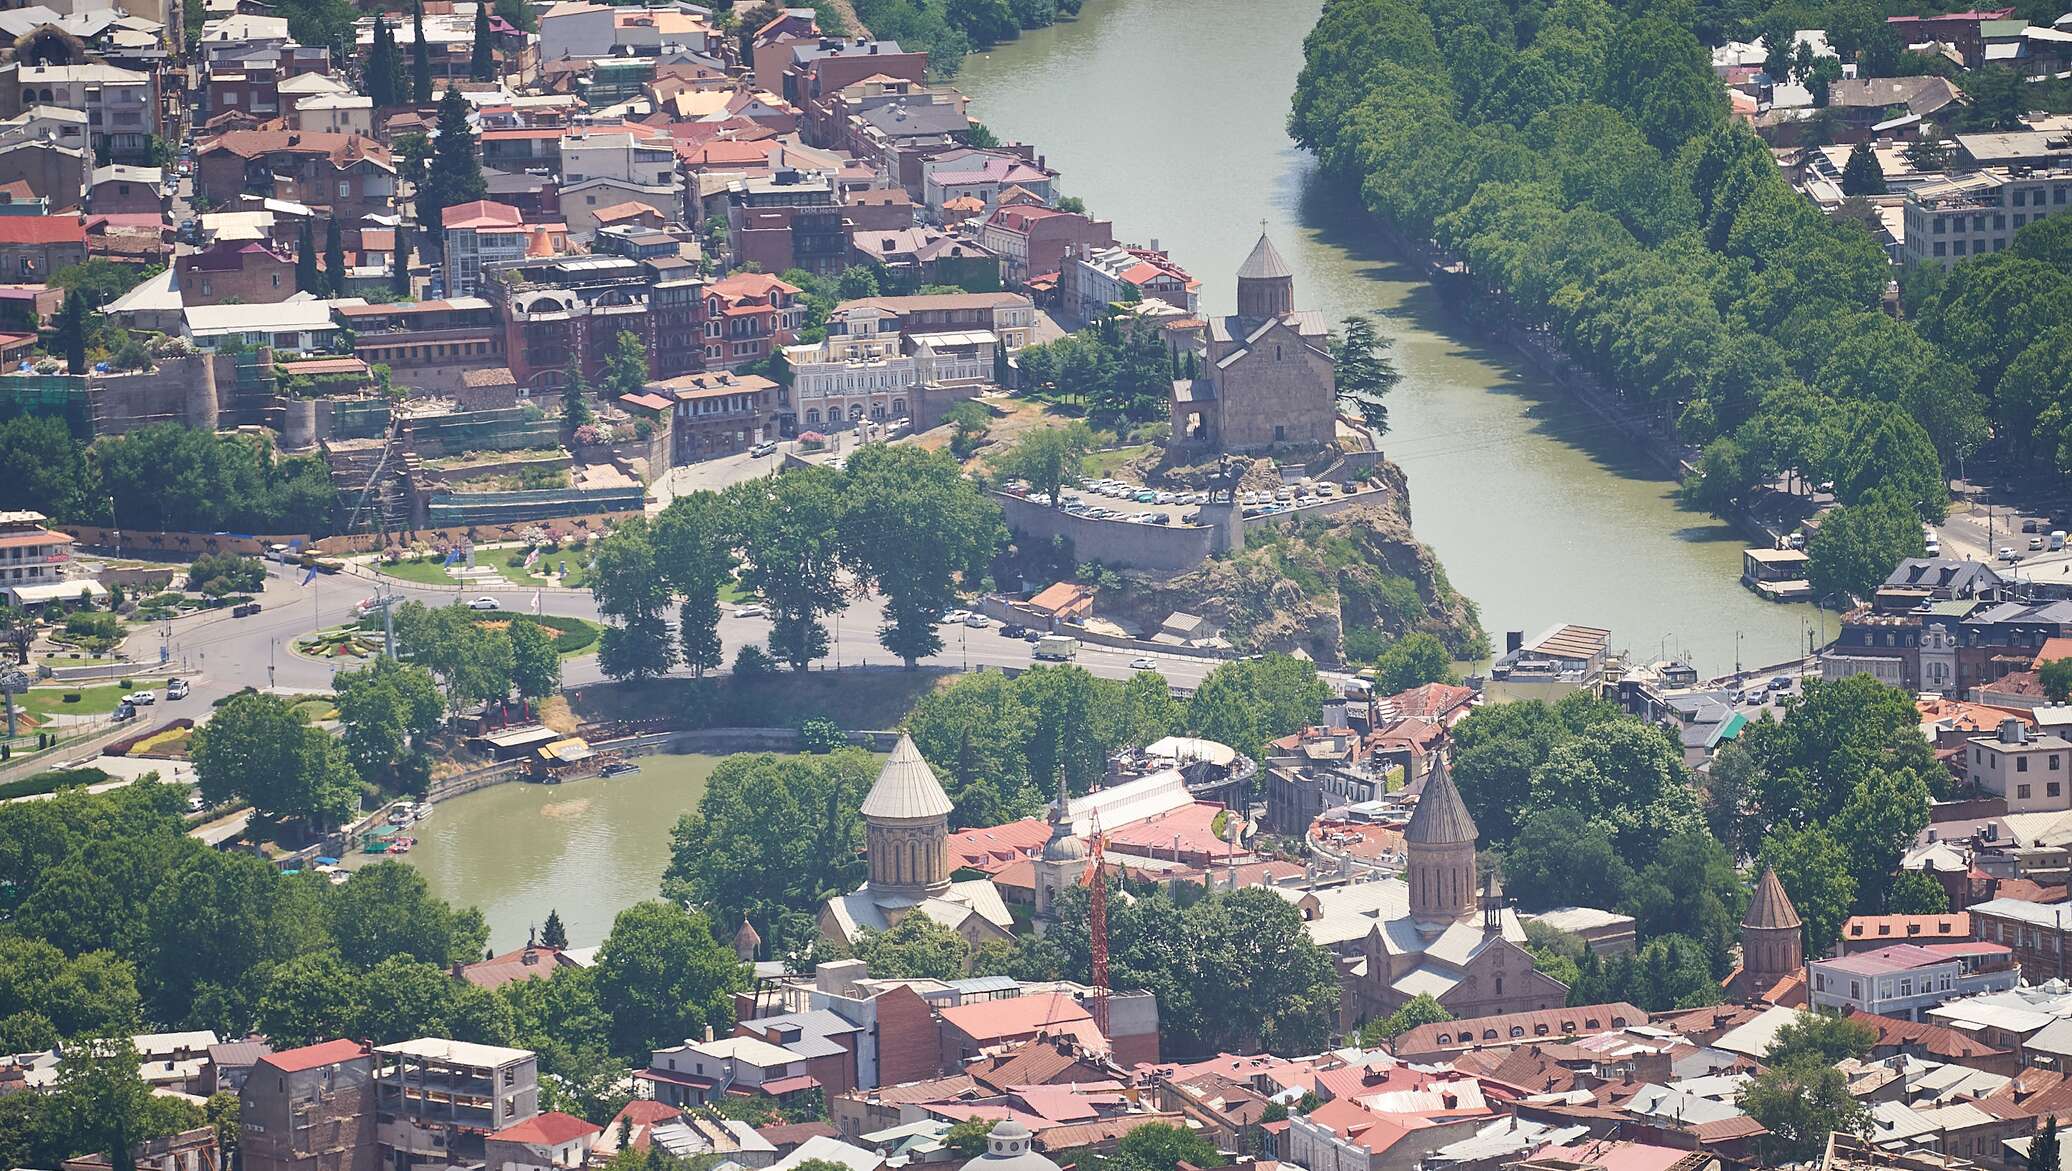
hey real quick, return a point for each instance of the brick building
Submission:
(789, 219)
(309, 1109)
(347, 174)
(427, 344)
(34, 246)
(748, 317)
(562, 311)
(2036, 931)
(718, 413)
(821, 69)
(246, 272)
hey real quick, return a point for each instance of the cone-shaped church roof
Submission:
(1264, 263)
(1770, 907)
(1441, 817)
(906, 787)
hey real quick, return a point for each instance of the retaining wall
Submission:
(1111, 542)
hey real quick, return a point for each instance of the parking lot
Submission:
(1116, 500)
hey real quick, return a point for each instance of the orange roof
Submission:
(314, 1056)
(42, 229)
(630, 209)
(481, 213)
(1061, 596)
(550, 1129)
(2053, 648)
(1019, 1016)
(1895, 928)
(993, 847)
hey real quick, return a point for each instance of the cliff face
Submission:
(1309, 584)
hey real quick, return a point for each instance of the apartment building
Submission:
(697, 1072)
(309, 1109)
(1092, 280)
(1905, 980)
(34, 562)
(788, 219)
(2032, 771)
(1979, 213)
(436, 1100)
(121, 105)
(348, 174)
(478, 233)
(571, 310)
(718, 412)
(1009, 317)
(748, 317)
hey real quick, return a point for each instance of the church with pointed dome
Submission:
(1438, 930)
(906, 818)
(1266, 379)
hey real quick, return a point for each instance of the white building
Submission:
(119, 109)
(334, 113)
(617, 155)
(297, 325)
(696, 1072)
(1979, 213)
(2033, 772)
(1907, 979)
(832, 385)
(34, 562)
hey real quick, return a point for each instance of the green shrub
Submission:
(821, 735)
(70, 697)
(51, 782)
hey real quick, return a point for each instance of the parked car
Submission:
(762, 449)
(2008, 554)
(141, 698)
(955, 615)
(1143, 665)
(1013, 630)
(748, 612)
(485, 602)
(244, 611)
(2035, 544)
(977, 621)
(1780, 682)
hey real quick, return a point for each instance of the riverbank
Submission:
(1540, 510)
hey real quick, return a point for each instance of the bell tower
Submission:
(1440, 844)
(1265, 283)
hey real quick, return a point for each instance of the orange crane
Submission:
(1097, 926)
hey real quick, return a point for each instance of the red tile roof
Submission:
(550, 1129)
(1907, 927)
(1016, 1016)
(42, 229)
(314, 1056)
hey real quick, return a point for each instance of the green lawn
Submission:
(513, 566)
(1102, 464)
(421, 572)
(97, 700)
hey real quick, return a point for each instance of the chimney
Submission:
(530, 958)
(2011, 731)
(708, 1034)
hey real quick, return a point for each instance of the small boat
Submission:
(401, 845)
(618, 768)
(423, 810)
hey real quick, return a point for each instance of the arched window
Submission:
(855, 411)
(1443, 1038)
(813, 416)
(1516, 1030)
(899, 407)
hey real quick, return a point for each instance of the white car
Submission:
(175, 689)
(2007, 553)
(749, 612)
(1143, 665)
(140, 698)
(956, 615)
(977, 621)
(485, 603)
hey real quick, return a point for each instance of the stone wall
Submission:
(1111, 542)
(174, 390)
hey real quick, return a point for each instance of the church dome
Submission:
(1063, 848)
(1010, 1147)
(906, 788)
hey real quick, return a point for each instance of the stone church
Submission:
(906, 816)
(1436, 931)
(1266, 378)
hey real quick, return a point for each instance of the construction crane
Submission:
(1097, 925)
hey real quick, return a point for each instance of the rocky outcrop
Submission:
(1306, 584)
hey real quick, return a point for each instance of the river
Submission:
(1170, 120)
(587, 848)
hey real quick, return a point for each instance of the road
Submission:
(224, 654)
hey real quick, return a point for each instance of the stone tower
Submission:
(1265, 283)
(747, 943)
(1772, 944)
(907, 820)
(1064, 857)
(1440, 843)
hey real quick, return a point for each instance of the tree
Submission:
(968, 1138)
(662, 977)
(917, 947)
(1048, 458)
(1561, 859)
(43, 469)
(575, 402)
(1800, 1104)
(625, 368)
(789, 525)
(308, 278)
(2044, 1154)
(1248, 702)
(631, 591)
(553, 933)
(913, 526)
(420, 58)
(71, 332)
(399, 266)
(1160, 1146)
(1411, 661)
(100, 1102)
(259, 748)
(482, 63)
(2056, 676)
(1858, 546)
(694, 551)
(454, 174)
(334, 259)
(969, 420)
(1815, 871)
(535, 665)
(382, 68)
(1421, 1009)
(986, 22)
(388, 710)
(1877, 826)
(1929, 154)
(1915, 893)
(1364, 373)
(771, 838)
(1862, 175)
(218, 574)
(393, 913)
(1824, 1038)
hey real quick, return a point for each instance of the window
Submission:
(2053, 762)
(2021, 764)
(1941, 226)
(2021, 791)
(1941, 248)
(2021, 197)
(1958, 250)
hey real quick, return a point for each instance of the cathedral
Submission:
(1267, 379)
(1437, 931)
(906, 817)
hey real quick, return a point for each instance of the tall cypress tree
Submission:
(71, 331)
(399, 269)
(482, 67)
(2043, 1156)
(381, 65)
(306, 278)
(420, 59)
(334, 260)
(455, 174)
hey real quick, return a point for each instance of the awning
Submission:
(567, 751)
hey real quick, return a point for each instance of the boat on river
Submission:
(618, 768)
